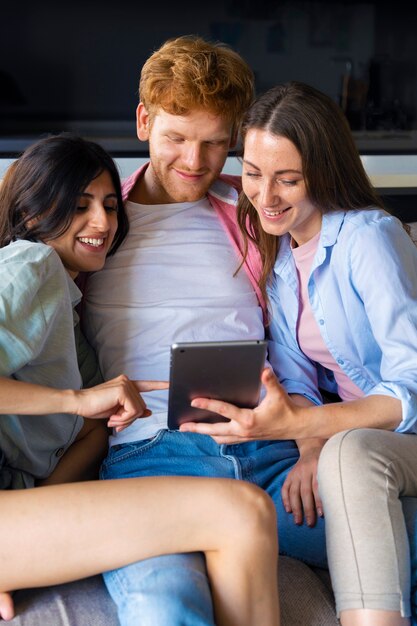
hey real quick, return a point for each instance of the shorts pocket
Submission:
(123, 453)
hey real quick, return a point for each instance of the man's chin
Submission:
(189, 195)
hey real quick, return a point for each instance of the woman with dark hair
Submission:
(340, 275)
(61, 196)
(51, 173)
(61, 213)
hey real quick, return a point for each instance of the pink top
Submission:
(308, 331)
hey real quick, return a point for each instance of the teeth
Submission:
(274, 213)
(92, 241)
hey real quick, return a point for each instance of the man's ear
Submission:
(142, 122)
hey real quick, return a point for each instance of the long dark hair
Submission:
(332, 168)
(39, 193)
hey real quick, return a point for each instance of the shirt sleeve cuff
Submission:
(408, 401)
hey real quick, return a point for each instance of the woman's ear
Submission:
(142, 122)
(32, 222)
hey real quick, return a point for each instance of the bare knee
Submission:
(256, 516)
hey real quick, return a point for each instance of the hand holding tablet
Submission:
(228, 371)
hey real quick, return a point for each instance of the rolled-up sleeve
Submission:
(384, 269)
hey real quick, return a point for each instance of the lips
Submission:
(189, 176)
(274, 214)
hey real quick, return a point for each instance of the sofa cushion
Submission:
(82, 603)
(306, 600)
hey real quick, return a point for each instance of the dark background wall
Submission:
(62, 62)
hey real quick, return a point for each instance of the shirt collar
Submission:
(330, 227)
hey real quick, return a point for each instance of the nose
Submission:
(193, 156)
(269, 195)
(99, 218)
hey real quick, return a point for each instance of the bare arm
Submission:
(118, 400)
(279, 417)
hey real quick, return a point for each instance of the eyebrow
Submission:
(286, 171)
(182, 135)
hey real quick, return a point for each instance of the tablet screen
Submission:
(228, 370)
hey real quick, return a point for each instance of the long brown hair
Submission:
(332, 168)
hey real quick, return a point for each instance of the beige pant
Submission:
(362, 475)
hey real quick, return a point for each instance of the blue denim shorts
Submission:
(264, 463)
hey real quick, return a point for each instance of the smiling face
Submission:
(273, 181)
(84, 245)
(187, 154)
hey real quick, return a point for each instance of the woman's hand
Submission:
(277, 417)
(300, 493)
(118, 400)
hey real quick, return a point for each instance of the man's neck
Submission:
(148, 190)
(145, 190)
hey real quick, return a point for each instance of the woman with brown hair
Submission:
(340, 275)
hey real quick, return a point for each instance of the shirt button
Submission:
(340, 361)
(59, 452)
(321, 322)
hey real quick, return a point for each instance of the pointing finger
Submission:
(150, 385)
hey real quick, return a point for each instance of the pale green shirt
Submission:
(37, 345)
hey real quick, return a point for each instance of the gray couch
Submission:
(306, 600)
(306, 597)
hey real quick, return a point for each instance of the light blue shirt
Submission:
(363, 294)
(37, 345)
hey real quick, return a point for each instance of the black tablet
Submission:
(226, 370)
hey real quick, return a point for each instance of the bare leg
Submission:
(81, 462)
(245, 604)
(371, 617)
(66, 532)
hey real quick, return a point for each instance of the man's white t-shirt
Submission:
(171, 280)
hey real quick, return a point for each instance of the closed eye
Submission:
(289, 183)
(218, 142)
(175, 139)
